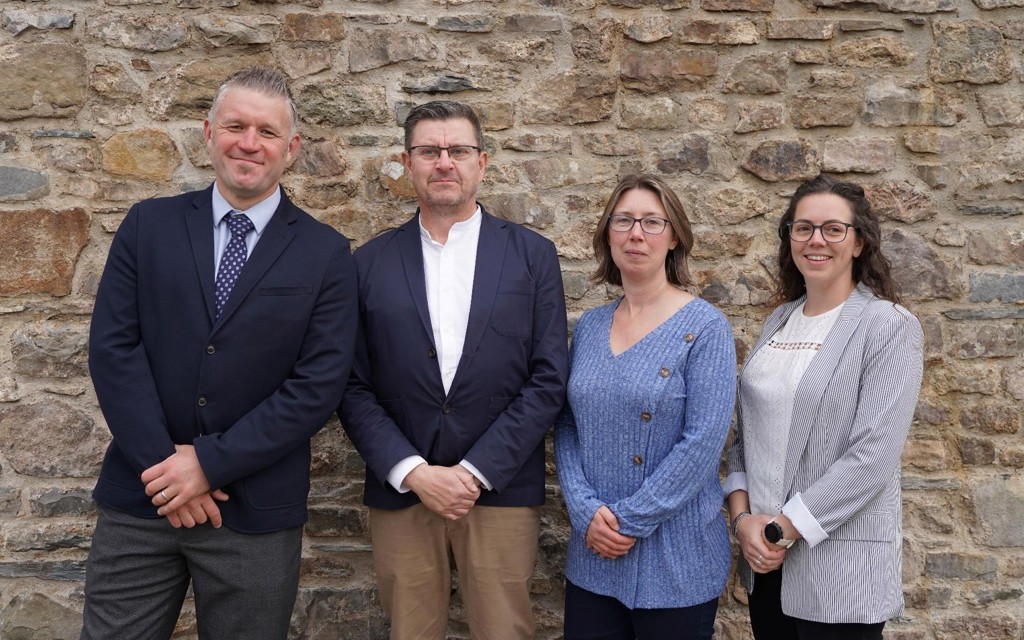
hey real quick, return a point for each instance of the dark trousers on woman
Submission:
(589, 616)
(769, 622)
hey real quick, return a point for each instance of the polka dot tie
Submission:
(233, 259)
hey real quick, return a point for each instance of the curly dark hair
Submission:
(676, 269)
(871, 267)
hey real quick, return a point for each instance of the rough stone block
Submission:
(988, 340)
(938, 141)
(19, 185)
(51, 439)
(1012, 457)
(148, 154)
(707, 112)
(642, 112)
(1013, 379)
(552, 173)
(991, 419)
(727, 32)
(335, 521)
(35, 616)
(342, 106)
(229, 30)
(880, 52)
(525, 49)
(978, 626)
(807, 111)
(533, 23)
(999, 505)
(712, 244)
(521, 208)
(857, 155)
(757, 116)
(961, 566)
(990, 287)
(10, 501)
(888, 105)
(312, 27)
(977, 451)
(731, 206)
(42, 80)
(49, 349)
(539, 142)
(18, 20)
(969, 51)
(33, 266)
(60, 501)
(927, 455)
(574, 97)
(777, 160)
(758, 75)
(996, 246)
(895, 6)
(920, 272)
(465, 23)
(594, 41)
(667, 70)
(832, 79)
(698, 153)
(800, 29)
(737, 5)
(139, 32)
(187, 91)
(930, 597)
(612, 144)
(900, 200)
(381, 47)
(648, 29)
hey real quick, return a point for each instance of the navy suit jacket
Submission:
(510, 382)
(249, 389)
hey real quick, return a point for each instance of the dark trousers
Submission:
(139, 570)
(589, 616)
(769, 622)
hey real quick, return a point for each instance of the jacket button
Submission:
(688, 337)
(446, 409)
(664, 373)
(645, 416)
(210, 350)
(431, 353)
(202, 401)
(637, 459)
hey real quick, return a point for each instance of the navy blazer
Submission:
(510, 382)
(249, 389)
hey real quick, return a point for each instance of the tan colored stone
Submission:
(727, 32)
(758, 116)
(313, 27)
(40, 249)
(800, 29)
(42, 81)
(713, 244)
(612, 144)
(707, 112)
(527, 49)
(760, 74)
(573, 97)
(551, 173)
(648, 28)
(873, 53)
(969, 51)
(833, 109)
(858, 155)
(643, 112)
(148, 154)
(996, 247)
(51, 439)
(652, 71)
(140, 32)
(593, 41)
(381, 47)
(187, 92)
(732, 206)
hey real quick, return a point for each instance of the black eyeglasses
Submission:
(831, 231)
(430, 153)
(650, 225)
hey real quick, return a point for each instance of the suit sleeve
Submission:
(889, 385)
(710, 376)
(118, 363)
(305, 400)
(502, 450)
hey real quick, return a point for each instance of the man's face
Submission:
(444, 186)
(250, 144)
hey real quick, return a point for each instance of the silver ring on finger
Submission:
(164, 496)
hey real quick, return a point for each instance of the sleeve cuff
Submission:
(396, 477)
(735, 481)
(476, 472)
(804, 522)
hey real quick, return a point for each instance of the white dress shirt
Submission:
(448, 271)
(259, 214)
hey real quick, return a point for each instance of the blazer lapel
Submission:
(276, 237)
(199, 222)
(490, 257)
(411, 249)
(811, 390)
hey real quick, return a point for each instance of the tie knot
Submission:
(240, 224)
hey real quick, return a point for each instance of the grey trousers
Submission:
(139, 570)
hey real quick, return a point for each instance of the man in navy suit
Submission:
(459, 373)
(221, 341)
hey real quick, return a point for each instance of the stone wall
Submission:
(734, 102)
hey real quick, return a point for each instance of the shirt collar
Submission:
(260, 213)
(458, 230)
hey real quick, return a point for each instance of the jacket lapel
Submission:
(811, 390)
(276, 237)
(199, 222)
(410, 247)
(490, 257)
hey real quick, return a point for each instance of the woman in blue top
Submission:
(651, 393)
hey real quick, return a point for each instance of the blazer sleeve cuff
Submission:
(396, 477)
(804, 522)
(476, 472)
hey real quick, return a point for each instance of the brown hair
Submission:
(442, 110)
(675, 262)
(870, 268)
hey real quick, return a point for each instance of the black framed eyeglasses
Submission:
(430, 153)
(831, 231)
(650, 225)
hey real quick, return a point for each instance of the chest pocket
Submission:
(512, 313)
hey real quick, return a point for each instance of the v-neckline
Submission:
(611, 320)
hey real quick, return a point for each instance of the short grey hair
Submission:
(261, 79)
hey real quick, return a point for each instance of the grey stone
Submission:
(372, 49)
(18, 20)
(935, 176)
(857, 155)
(544, 142)
(942, 142)
(465, 23)
(969, 51)
(985, 597)
(911, 483)
(689, 153)
(552, 173)
(987, 340)
(990, 418)
(776, 160)
(961, 566)
(227, 30)
(62, 133)
(66, 570)
(889, 105)
(48, 349)
(149, 33)
(572, 97)
(335, 521)
(521, 208)
(895, 6)
(34, 616)
(999, 504)
(800, 29)
(950, 235)
(991, 207)
(323, 103)
(988, 626)
(737, 31)
(737, 5)
(438, 83)
(853, 26)
(758, 116)
(8, 142)
(730, 206)
(612, 144)
(319, 158)
(974, 313)
(10, 501)
(650, 112)
(57, 501)
(1002, 108)
(17, 184)
(47, 534)
(51, 439)
(648, 29)
(533, 23)
(919, 271)
(990, 287)
(760, 74)
(353, 613)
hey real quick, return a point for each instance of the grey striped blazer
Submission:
(851, 416)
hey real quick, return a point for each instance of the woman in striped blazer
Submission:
(826, 399)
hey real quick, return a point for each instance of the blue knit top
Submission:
(643, 434)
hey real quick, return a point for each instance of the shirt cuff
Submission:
(476, 472)
(804, 522)
(735, 481)
(396, 477)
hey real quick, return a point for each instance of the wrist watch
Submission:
(773, 534)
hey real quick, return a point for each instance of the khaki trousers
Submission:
(494, 550)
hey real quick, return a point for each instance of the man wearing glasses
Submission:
(459, 373)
